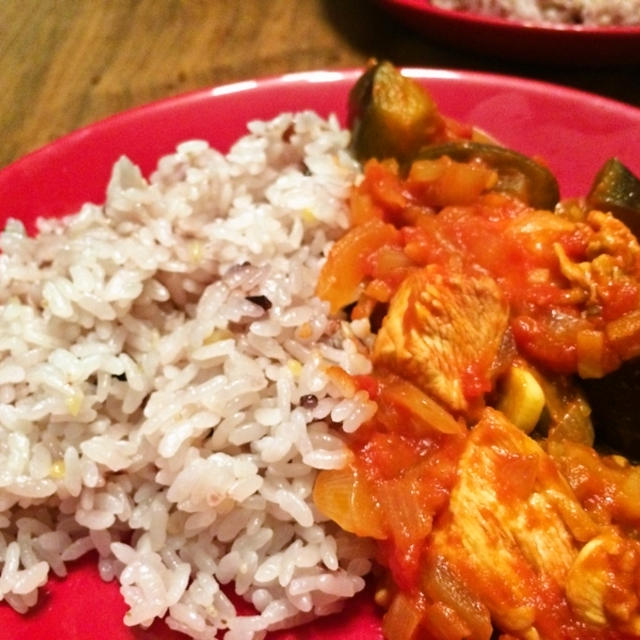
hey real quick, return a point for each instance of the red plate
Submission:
(556, 44)
(573, 131)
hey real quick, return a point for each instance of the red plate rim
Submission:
(272, 82)
(91, 150)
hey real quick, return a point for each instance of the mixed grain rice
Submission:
(165, 397)
(600, 13)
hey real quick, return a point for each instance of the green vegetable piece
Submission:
(390, 115)
(616, 190)
(518, 175)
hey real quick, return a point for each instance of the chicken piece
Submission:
(612, 255)
(514, 530)
(602, 584)
(587, 320)
(443, 332)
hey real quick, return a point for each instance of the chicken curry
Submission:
(495, 511)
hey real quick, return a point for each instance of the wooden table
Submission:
(66, 63)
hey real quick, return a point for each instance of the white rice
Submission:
(601, 13)
(154, 411)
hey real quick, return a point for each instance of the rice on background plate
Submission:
(598, 13)
(168, 386)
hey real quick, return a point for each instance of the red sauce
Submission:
(552, 304)
(560, 310)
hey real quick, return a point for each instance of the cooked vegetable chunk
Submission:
(390, 115)
(518, 175)
(617, 190)
(522, 399)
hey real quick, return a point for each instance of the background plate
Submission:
(559, 45)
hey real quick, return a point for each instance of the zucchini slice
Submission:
(616, 190)
(518, 175)
(390, 116)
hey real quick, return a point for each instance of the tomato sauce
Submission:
(563, 277)
(571, 284)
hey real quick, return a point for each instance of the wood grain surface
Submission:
(66, 63)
